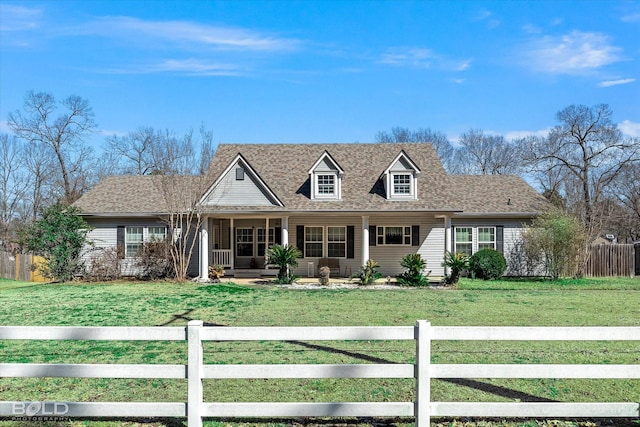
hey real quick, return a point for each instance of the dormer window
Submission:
(401, 178)
(326, 185)
(325, 176)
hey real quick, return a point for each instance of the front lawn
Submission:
(589, 302)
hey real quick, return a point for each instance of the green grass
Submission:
(585, 302)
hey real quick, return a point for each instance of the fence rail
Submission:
(195, 371)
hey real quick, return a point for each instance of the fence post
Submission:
(194, 373)
(423, 373)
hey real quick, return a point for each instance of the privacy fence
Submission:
(613, 260)
(423, 371)
(19, 267)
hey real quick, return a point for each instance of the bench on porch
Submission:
(332, 263)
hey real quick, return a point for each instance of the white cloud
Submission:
(518, 134)
(487, 17)
(191, 66)
(18, 18)
(609, 83)
(186, 32)
(630, 128)
(574, 53)
(414, 57)
(631, 17)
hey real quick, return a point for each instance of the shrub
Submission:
(457, 262)
(104, 264)
(216, 272)
(487, 264)
(325, 273)
(285, 257)
(368, 273)
(414, 267)
(154, 260)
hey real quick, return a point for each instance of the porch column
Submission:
(448, 244)
(266, 240)
(365, 239)
(284, 234)
(232, 244)
(204, 249)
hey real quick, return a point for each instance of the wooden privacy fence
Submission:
(194, 409)
(18, 267)
(612, 260)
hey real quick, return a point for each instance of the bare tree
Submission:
(439, 140)
(41, 168)
(588, 149)
(64, 135)
(625, 191)
(481, 154)
(13, 185)
(147, 151)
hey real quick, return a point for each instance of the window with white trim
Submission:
(486, 238)
(244, 242)
(336, 242)
(157, 234)
(402, 183)
(464, 240)
(325, 185)
(313, 241)
(261, 240)
(394, 235)
(134, 237)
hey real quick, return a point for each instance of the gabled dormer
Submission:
(240, 185)
(401, 178)
(325, 177)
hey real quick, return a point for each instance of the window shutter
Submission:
(373, 235)
(500, 238)
(300, 238)
(277, 235)
(415, 235)
(453, 239)
(120, 244)
(351, 241)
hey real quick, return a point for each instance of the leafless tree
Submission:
(481, 154)
(625, 191)
(42, 191)
(439, 140)
(64, 135)
(13, 184)
(588, 150)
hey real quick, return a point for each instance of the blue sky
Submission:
(324, 71)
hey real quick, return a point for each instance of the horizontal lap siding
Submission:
(351, 264)
(431, 245)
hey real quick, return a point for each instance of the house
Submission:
(343, 202)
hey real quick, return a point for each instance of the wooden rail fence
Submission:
(194, 409)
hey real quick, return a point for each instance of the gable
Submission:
(239, 185)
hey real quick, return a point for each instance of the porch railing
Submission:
(221, 257)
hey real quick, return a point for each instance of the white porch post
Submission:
(284, 234)
(365, 239)
(448, 244)
(266, 240)
(204, 249)
(232, 244)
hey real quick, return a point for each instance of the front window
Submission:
(244, 242)
(261, 240)
(326, 184)
(337, 242)
(313, 238)
(157, 234)
(134, 238)
(464, 240)
(394, 235)
(402, 184)
(486, 238)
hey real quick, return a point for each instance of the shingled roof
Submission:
(284, 169)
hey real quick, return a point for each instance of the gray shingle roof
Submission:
(284, 168)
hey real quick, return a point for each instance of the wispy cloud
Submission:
(574, 53)
(630, 128)
(609, 83)
(186, 33)
(519, 134)
(188, 67)
(19, 18)
(421, 58)
(488, 18)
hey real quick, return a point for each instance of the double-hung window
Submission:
(134, 239)
(464, 240)
(402, 184)
(261, 240)
(313, 241)
(326, 185)
(336, 242)
(394, 235)
(157, 234)
(244, 242)
(486, 238)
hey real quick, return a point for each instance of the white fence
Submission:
(423, 371)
